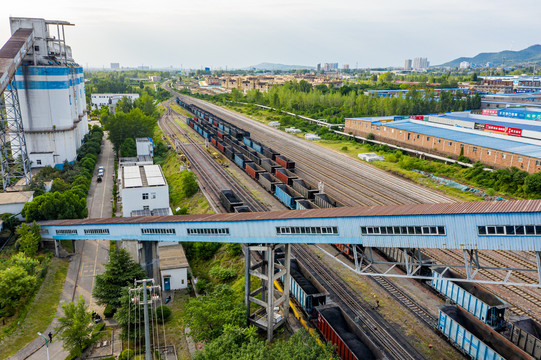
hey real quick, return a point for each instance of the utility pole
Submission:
(137, 291)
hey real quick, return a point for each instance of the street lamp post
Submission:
(46, 343)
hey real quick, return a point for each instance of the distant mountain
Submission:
(529, 55)
(281, 67)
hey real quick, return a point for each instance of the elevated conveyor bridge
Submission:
(467, 227)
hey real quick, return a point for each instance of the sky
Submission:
(240, 33)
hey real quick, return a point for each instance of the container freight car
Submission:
(323, 201)
(305, 204)
(269, 165)
(526, 334)
(397, 255)
(478, 302)
(240, 160)
(229, 153)
(253, 170)
(305, 288)
(242, 209)
(269, 153)
(284, 162)
(465, 332)
(229, 200)
(339, 329)
(300, 186)
(284, 176)
(247, 141)
(268, 181)
(287, 195)
(257, 147)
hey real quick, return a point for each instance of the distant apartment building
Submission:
(266, 82)
(330, 66)
(99, 100)
(420, 63)
(464, 65)
(154, 78)
(346, 67)
(318, 68)
(407, 64)
(115, 66)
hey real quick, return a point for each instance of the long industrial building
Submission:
(495, 141)
(50, 87)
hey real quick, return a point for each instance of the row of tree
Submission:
(67, 198)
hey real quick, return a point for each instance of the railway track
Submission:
(389, 339)
(204, 165)
(389, 194)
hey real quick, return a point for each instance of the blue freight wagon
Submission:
(478, 302)
(257, 147)
(240, 160)
(247, 141)
(465, 332)
(305, 288)
(287, 195)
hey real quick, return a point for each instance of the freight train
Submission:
(276, 173)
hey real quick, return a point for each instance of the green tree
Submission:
(128, 148)
(234, 343)
(189, 184)
(75, 326)
(129, 125)
(29, 238)
(120, 272)
(15, 283)
(207, 315)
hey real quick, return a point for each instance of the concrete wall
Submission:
(132, 198)
(442, 147)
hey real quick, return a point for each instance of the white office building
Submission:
(144, 191)
(99, 100)
(50, 87)
(173, 267)
(145, 147)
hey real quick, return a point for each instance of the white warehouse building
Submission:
(144, 191)
(99, 100)
(50, 87)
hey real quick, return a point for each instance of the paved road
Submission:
(93, 254)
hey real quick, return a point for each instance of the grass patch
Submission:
(68, 245)
(43, 309)
(196, 204)
(174, 327)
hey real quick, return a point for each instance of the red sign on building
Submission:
(503, 130)
(490, 112)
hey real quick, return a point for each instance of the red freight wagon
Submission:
(250, 169)
(220, 146)
(285, 162)
(213, 141)
(220, 134)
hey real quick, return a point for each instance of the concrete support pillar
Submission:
(57, 248)
(149, 260)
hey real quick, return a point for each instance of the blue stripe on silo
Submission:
(43, 85)
(42, 70)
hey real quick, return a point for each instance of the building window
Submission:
(38, 162)
(418, 136)
(153, 195)
(96, 231)
(403, 230)
(520, 159)
(66, 232)
(145, 196)
(439, 141)
(409, 136)
(474, 149)
(428, 138)
(509, 230)
(146, 207)
(462, 146)
(306, 230)
(538, 163)
(36, 48)
(450, 143)
(488, 152)
(215, 231)
(504, 156)
(158, 232)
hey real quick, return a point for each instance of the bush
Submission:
(126, 354)
(163, 313)
(109, 311)
(233, 249)
(222, 274)
(202, 285)
(370, 136)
